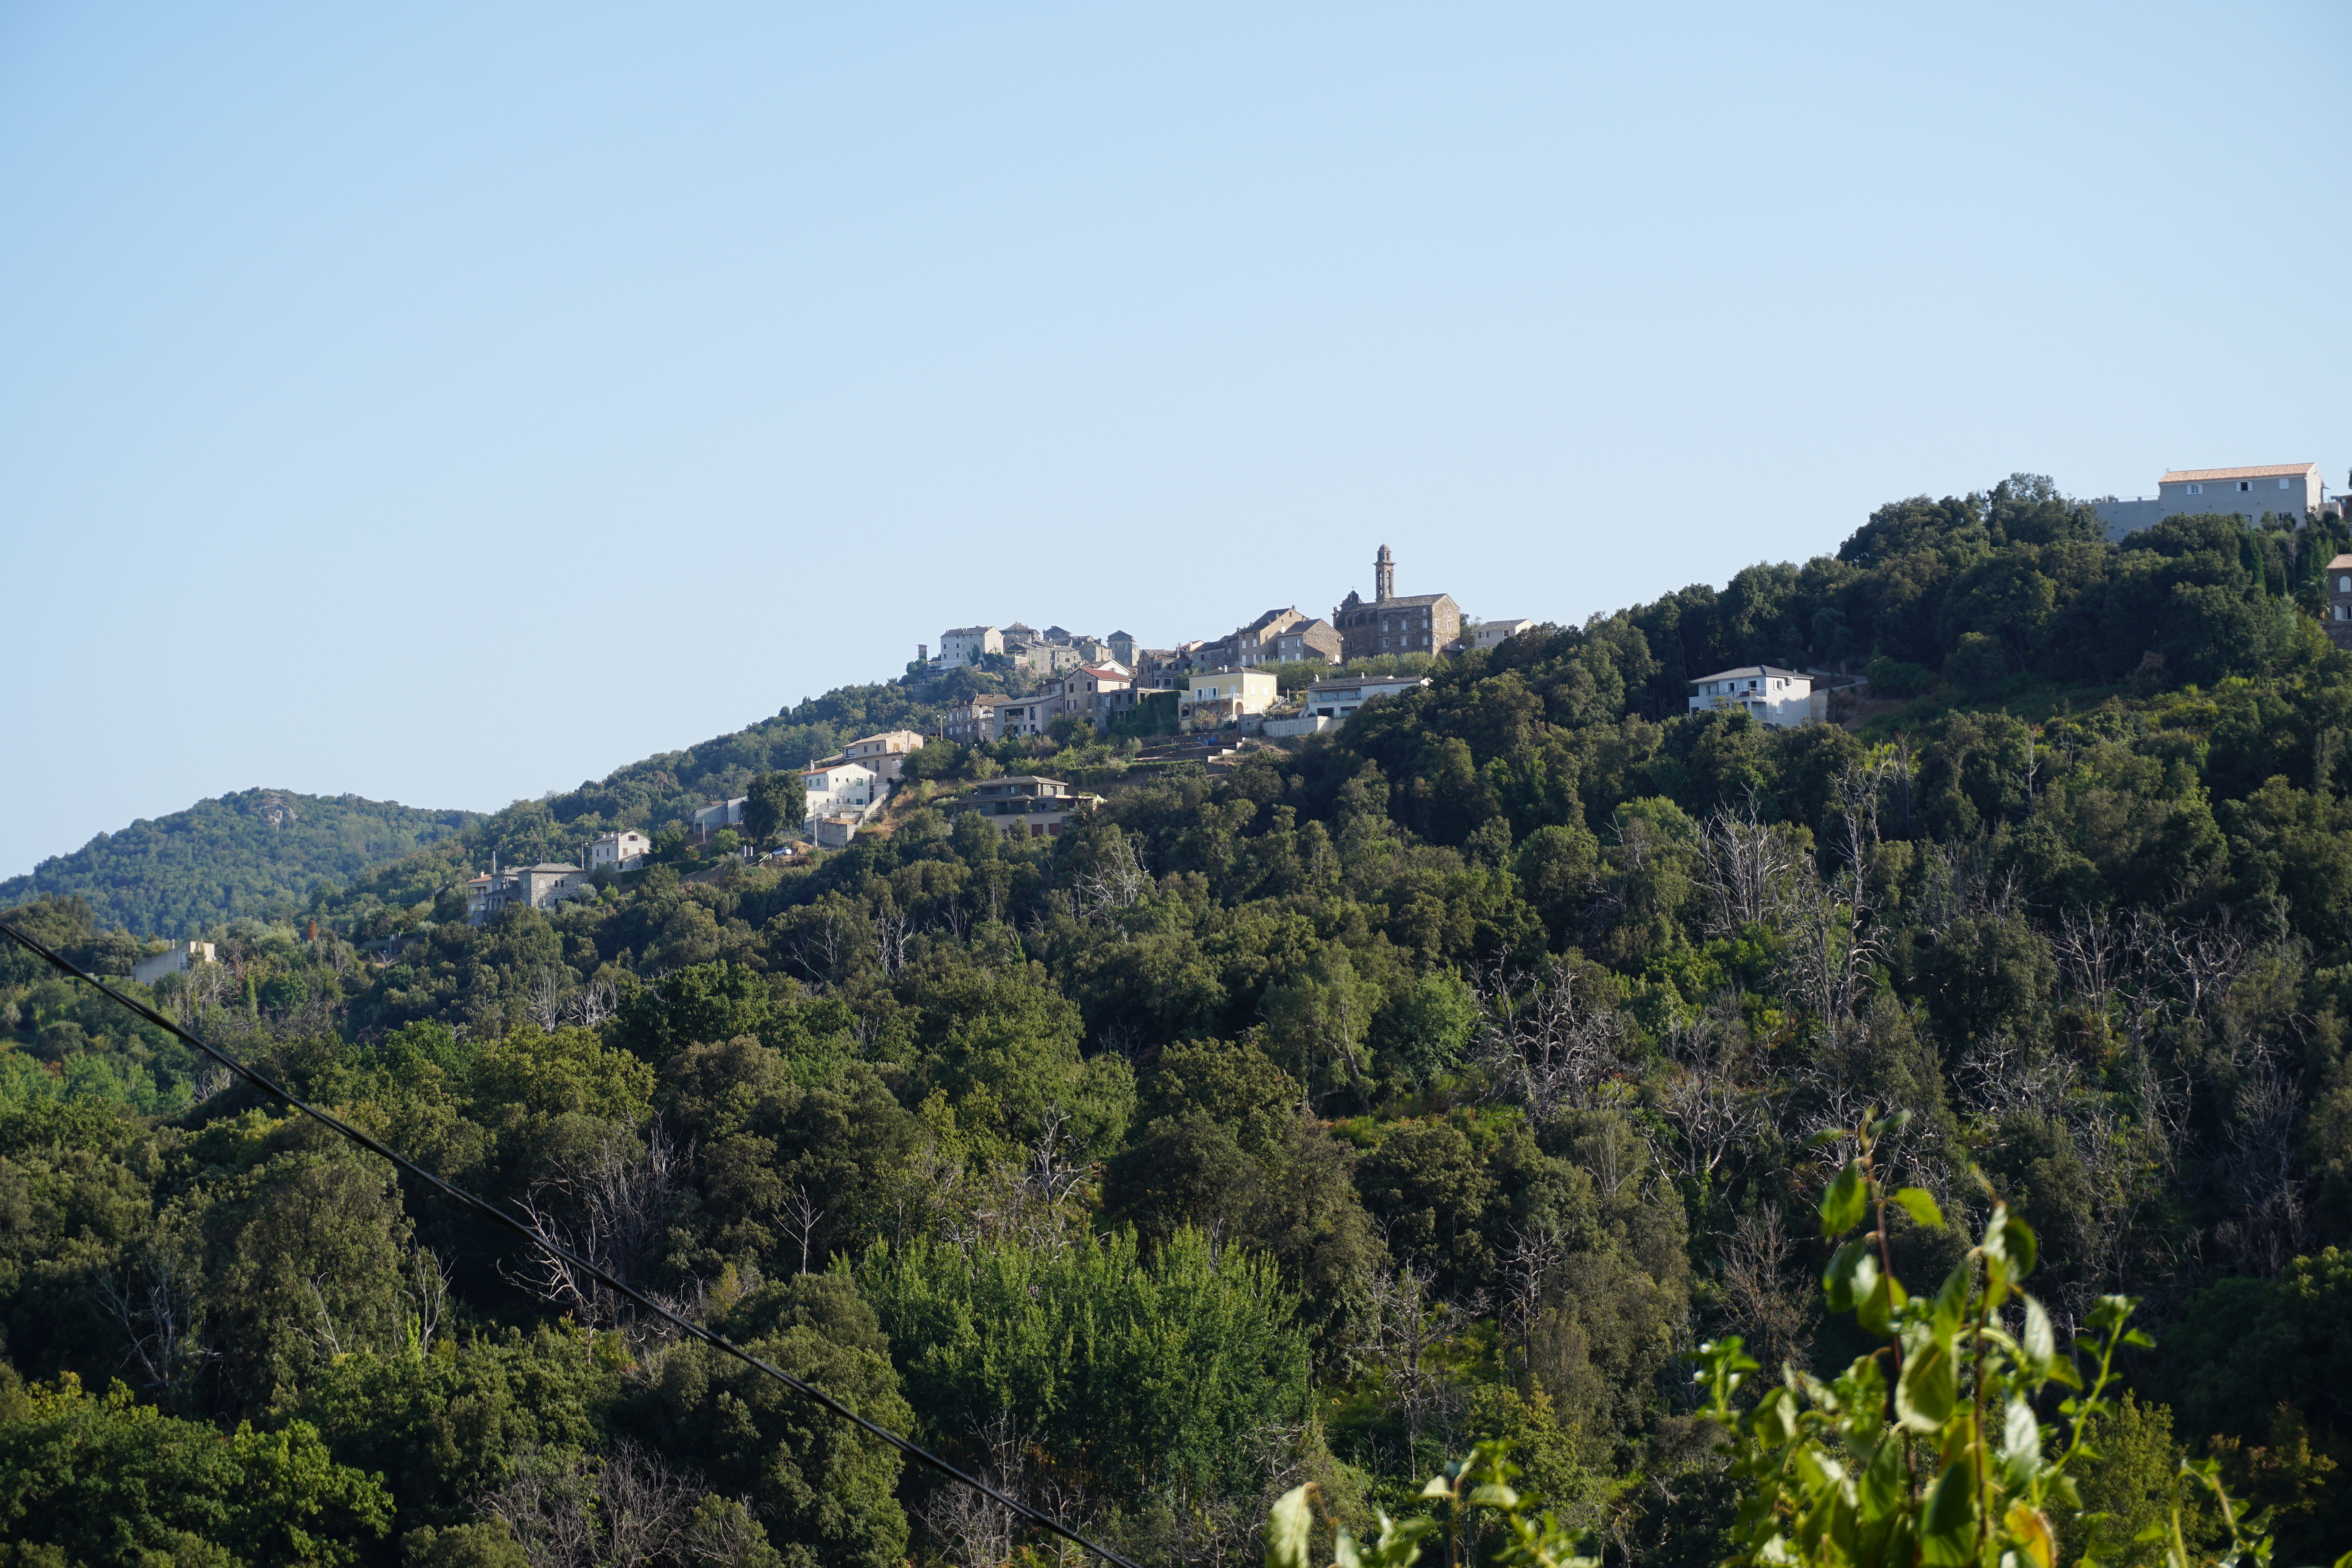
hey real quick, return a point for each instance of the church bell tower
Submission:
(1383, 577)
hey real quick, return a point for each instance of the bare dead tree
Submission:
(595, 1002)
(609, 1208)
(1115, 881)
(1704, 1096)
(1527, 1265)
(154, 1301)
(969, 1529)
(892, 930)
(549, 1000)
(1746, 866)
(1028, 1203)
(802, 1217)
(2271, 1222)
(1764, 1304)
(1394, 1336)
(428, 1287)
(626, 1509)
(1545, 1045)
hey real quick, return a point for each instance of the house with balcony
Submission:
(975, 723)
(1766, 692)
(1339, 699)
(1027, 805)
(1214, 699)
(839, 784)
(886, 753)
(530, 887)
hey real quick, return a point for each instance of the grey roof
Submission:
(1410, 601)
(1749, 672)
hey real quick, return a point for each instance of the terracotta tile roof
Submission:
(2268, 471)
(2340, 562)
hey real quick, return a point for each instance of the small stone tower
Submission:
(1383, 577)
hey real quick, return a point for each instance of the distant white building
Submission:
(534, 886)
(2290, 489)
(624, 850)
(838, 785)
(718, 814)
(965, 644)
(1339, 699)
(885, 753)
(179, 957)
(1770, 695)
(1495, 633)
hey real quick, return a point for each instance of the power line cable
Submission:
(498, 1215)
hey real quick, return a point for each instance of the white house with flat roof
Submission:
(1339, 699)
(1495, 633)
(170, 961)
(838, 785)
(2290, 489)
(1766, 692)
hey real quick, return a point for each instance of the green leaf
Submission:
(1925, 1391)
(1948, 1521)
(2040, 1338)
(2019, 1243)
(2021, 1435)
(1291, 1530)
(1886, 1125)
(1843, 1204)
(1883, 1488)
(1876, 1310)
(1852, 1271)
(1920, 1206)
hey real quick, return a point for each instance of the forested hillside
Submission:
(1454, 1076)
(249, 854)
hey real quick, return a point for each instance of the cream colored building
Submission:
(624, 851)
(180, 955)
(885, 753)
(1214, 697)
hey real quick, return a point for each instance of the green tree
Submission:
(774, 804)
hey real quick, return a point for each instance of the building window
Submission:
(2283, 484)
(2196, 489)
(2245, 484)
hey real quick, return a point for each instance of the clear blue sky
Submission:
(447, 404)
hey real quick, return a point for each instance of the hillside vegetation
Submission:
(248, 853)
(1453, 1078)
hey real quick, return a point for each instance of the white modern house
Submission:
(839, 785)
(624, 851)
(1766, 692)
(1494, 633)
(1340, 698)
(2290, 489)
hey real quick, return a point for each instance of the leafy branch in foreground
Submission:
(1925, 1451)
(1486, 1520)
(1965, 1472)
